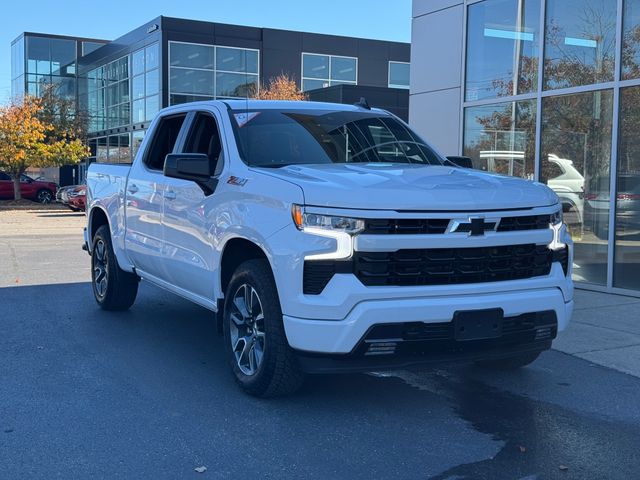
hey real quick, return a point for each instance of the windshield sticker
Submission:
(243, 118)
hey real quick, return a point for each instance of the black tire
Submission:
(113, 288)
(510, 363)
(44, 196)
(277, 371)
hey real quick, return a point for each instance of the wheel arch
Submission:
(97, 218)
(236, 251)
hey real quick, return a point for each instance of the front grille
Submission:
(530, 222)
(404, 226)
(428, 226)
(446, 266)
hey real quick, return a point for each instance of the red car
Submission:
(77, 198)
(42, 192)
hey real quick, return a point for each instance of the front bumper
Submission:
(342, 337)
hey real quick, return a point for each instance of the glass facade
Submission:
(627, 219)
(503, 48)
(501, 137)
(204, 72)
(145, 83)
(580, 42)
(321, 71)
(17, 68)
(108, 99)
(398, 75)
(38, 61)
(555, 120)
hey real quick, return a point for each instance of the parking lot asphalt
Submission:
(147, 394)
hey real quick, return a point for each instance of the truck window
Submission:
(205, 138)
(164, 141)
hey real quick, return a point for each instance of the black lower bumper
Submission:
(406, 345)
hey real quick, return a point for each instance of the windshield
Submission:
(276, 138)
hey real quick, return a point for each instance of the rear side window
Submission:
(164, 141)
(4, 176)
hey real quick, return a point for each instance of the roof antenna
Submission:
(362, 103)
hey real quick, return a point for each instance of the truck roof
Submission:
(252, 104)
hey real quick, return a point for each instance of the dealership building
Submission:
(123, 83)
(547, 90)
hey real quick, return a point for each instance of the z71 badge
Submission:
(237, 181)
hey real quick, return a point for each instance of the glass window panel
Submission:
(501, 137)
(152, 82)
(627, 250)
(152, 55)
(175, 99)
(631, 40)
(313, 84)
(576, 137)
(88, 47)
(502, 48)
(235, 84)
(125, 113)
(190, 55)
(63, 55)
(137, 62)
(137, 111)
(185, 80)
(315, 66)
(102, 155)
(137, 87)
(123, 91)
(343, 69)
(152, 107)
(580, 42)
(398, 75)
(236, 60)
(38, 51)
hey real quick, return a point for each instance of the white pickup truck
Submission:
(329, 238)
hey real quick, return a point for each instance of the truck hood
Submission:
(412, 187)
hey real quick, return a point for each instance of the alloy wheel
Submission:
(100, 268)
(247, 329)
(44, 196)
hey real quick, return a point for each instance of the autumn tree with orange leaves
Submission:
(281, 87)
(26, 140)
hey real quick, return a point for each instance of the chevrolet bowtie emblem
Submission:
(476, 226)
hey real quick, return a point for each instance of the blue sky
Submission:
(379, 19)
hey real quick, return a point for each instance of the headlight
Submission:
(556, 217)
(304, 221)
(340, 229)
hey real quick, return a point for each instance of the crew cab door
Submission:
(189, 214)
(144, 198)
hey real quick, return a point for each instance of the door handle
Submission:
(170, 195)
(133, 188)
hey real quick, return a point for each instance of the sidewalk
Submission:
(605, 330)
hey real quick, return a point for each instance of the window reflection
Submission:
(631, 40)
(398, 75)
(580, 42)
(576, 160)
(627, 255)
(502, 48)
(500, 138)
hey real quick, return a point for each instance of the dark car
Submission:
(596, 208)
(39, 191)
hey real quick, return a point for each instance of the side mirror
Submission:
(191, 166)
(464, 162)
